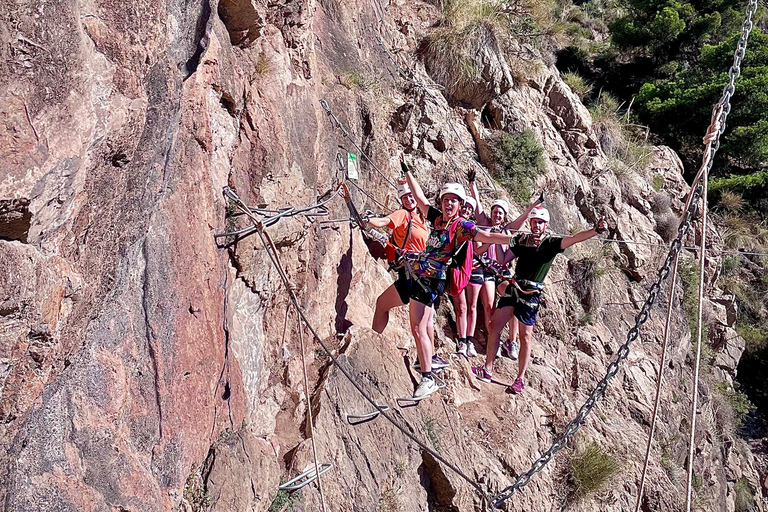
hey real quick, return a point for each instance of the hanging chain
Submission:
(720, 114)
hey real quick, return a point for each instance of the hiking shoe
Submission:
(438, 363)
(471, 352)
(462, 349)
(517, 386)
(498, 351)
(481, 374)
(426, 388)
(512, 348)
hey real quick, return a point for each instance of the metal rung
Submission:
(409, 402)
(354, 419)
(309, 475)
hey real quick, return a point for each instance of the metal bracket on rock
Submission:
(308, 476)
(357, 419)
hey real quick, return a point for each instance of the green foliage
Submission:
(517, 161)
(738, 401)
(751, 187)
(591, 469)
(658, 182)
(744, 496)
(263, 66)
(284, 500)
(578, 85)
(432, 428)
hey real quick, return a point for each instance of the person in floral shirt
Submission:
(429, 270)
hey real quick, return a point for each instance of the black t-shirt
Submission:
(534, 262)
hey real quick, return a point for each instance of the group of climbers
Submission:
(425, 260)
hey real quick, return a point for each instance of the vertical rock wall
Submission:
(144, 368)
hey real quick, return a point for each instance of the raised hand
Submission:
(602, 225)
(471, 175)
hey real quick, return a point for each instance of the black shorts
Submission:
(427, 290)
(526, 306)
(402, 286)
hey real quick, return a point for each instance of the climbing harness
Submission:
(719, 117)
(272, 253)
(336, 122)
(309, 475)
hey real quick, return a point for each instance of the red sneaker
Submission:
(517, 386)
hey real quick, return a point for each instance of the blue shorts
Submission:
(526, 307)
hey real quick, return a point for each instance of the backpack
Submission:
(460, 268)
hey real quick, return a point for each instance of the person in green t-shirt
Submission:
(535, 253)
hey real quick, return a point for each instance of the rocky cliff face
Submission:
(144, 368)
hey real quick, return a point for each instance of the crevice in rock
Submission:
(150, 335)
(440, 490)
(201, 39)
(15, 219)
(344, 271)
(243, 21)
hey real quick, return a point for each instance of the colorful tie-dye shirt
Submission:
(434, 261)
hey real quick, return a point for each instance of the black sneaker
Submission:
(438, 363)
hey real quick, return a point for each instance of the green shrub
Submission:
(578, 85)
(591, 469)
(432, 428)
(745, 496)
(517, 161)
(738, 401)
(284, 500)
(658, 182)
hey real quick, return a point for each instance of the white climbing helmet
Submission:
(501, 204)
(540, 213)
(471, 201)
(456, 189)
(403, 189)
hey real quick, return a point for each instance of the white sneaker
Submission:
(463, 348)
(512, 349)
(426, 388)
(471, 352)
(498, 351)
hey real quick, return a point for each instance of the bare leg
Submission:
(513, 328)
(431, 327)
(498, 321)
(387, 300)
(420, 317)
(526, 337)
(487, 293)
(473, 291)
(460, 306)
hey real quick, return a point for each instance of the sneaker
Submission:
(512, 348)
(481, 373)
(498, 351)
(426, 388)
(462, 350)
(471, 352)
(438, 363)
(517, 386)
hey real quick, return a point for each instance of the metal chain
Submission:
(720, 114)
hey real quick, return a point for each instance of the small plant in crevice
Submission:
(263, 65)
(577, 83)
(284, 500)
(590, 470)
(432, 429)
(389, 500)
(738, 403)
(624, 143)
(744, 496)
(517, 161)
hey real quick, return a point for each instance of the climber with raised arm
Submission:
(483, 282)
(409, 236)
(535, 252)
(430, 269)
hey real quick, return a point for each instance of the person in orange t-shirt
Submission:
(409, 234)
